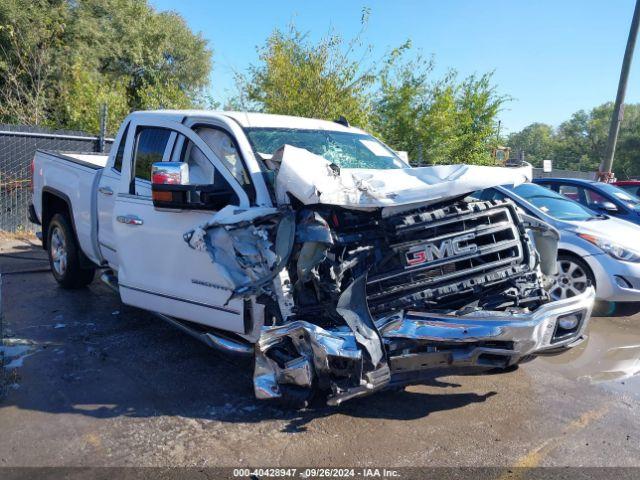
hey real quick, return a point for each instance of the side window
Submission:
(594, 199)
(201, 170)
(570, 191)
(150, 146)
(117, 162)
(225, 149)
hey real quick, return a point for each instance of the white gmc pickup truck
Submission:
(310, 245)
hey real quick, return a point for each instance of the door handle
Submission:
(129, 219)
(105, 190)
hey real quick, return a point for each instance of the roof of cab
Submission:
(257, 120)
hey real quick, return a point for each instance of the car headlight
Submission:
(615, 250)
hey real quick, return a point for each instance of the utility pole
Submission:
(604, 174)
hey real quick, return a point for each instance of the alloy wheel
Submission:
(570, 281)
(58, 251)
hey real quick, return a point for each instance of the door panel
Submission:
(158, 271)
(107, 193)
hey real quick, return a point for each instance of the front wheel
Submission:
(64, 255)
(573, 278)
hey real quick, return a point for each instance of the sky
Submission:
(552, 57)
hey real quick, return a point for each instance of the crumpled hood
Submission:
(312, 179)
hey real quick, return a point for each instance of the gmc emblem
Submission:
(428, 252)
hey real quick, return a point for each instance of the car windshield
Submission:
(629, 199)
(552, 203)
(345, 149)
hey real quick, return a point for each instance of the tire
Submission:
(573, 278)
(64, 255)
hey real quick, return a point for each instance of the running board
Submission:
(214, 340)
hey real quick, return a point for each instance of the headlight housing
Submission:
(613, 249)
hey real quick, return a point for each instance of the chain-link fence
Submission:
(18, 144)
(558, 173)
(517, 157)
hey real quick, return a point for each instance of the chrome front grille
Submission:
(432, 252)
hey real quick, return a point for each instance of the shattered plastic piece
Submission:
(249, 246)
(311, 180)
(352, 306)
(545, 239)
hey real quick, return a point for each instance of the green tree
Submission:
(436, 121)
(297, 76)
(580, 142)
(31, 33)
(536, 140)
(101, 51)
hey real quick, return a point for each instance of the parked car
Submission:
(308, 244)
(629, 186)
(594, 248)
(597, 196)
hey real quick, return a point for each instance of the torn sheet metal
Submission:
(330, 358)
(312, 179)
(248, 246)
(315, 347)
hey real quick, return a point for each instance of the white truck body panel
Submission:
(74, 176)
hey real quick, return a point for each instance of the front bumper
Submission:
(414, 342)
(616, 280)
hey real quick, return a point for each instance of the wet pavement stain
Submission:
(609, 357)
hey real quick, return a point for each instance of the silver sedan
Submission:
(596, 249)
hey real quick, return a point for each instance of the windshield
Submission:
(629, 199)
(345, 149)
(552, 203)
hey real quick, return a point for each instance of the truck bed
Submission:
(72, 177)
(91, 160)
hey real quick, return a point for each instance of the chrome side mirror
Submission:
(170, 173)
(171, 189)
(609, 207)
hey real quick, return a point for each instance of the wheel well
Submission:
(580, 260)
(53, 203)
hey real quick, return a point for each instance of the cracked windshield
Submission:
(347, 150)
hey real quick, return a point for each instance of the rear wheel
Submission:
(573, 278)
(64, 255)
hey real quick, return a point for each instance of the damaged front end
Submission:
(361, 293)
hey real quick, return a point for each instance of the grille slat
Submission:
(496, 238)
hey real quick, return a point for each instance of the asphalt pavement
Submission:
(88, 381)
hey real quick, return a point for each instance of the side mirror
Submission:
(609, 207)
(170, 189)
(170, 173)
